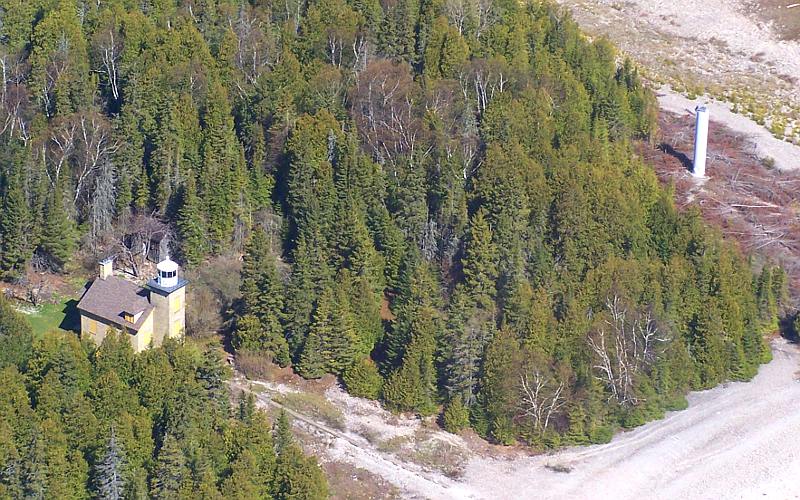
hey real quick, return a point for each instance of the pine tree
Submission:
(311, 363)
(35, 472)
(363, 379)
(413, 386)
(456, 416)
(247, 407)
(282, 433)
(213, 375)
(263, 297)
(310, 276)
(109, 472)
(498, 385)
(295, 476)
(418, 291)
(220, 157)
(16, 336)
(468, 331)
(780, 289)
(480, 255)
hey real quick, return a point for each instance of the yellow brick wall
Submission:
(144, 336)
(93, 329)
(96, 330)
(177, 313)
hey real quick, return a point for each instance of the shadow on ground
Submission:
(72, 319)
(681, 157)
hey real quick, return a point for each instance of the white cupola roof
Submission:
(167, 273)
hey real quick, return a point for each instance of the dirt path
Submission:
(351, 447)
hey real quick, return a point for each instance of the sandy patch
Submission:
(738, 440)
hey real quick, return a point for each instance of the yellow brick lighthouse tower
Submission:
(168, 295)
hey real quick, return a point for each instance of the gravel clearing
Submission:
(723, 47)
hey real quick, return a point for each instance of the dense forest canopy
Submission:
(77, 421)
(437, 200)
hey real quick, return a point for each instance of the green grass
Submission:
(61, 315)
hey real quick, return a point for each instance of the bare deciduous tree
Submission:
(14, 110)
(625, 344)
(107, 49)
(256, 49)
(94, 146)
(135, 238)
(385, 108)
(486, 78)
(540, 398)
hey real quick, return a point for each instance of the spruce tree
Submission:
(344, 344)
(319, 349)
(363, 379)
(220, 157)
(58, 234)
(456, 416)
(109, 472)
(170, 469)
(191, 225)
(413, 386)
(13, 228)
(282, 432)
(295, 476)
(263, 297)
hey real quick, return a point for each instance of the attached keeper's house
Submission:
(146, 314)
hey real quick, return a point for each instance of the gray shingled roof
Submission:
(111, 297)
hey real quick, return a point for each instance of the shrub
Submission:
(256, 366)
(363, 380)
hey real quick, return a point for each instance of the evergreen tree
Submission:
(170, 470)
(413, 386)
(14, 249)
(456, 416)
(296, 476)
(260, 329)
(363, 379)
(191, 225)
(331, 344)
(480, 255)
(58, 233)
(109, 472)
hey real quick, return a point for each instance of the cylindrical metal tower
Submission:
(700, 142)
